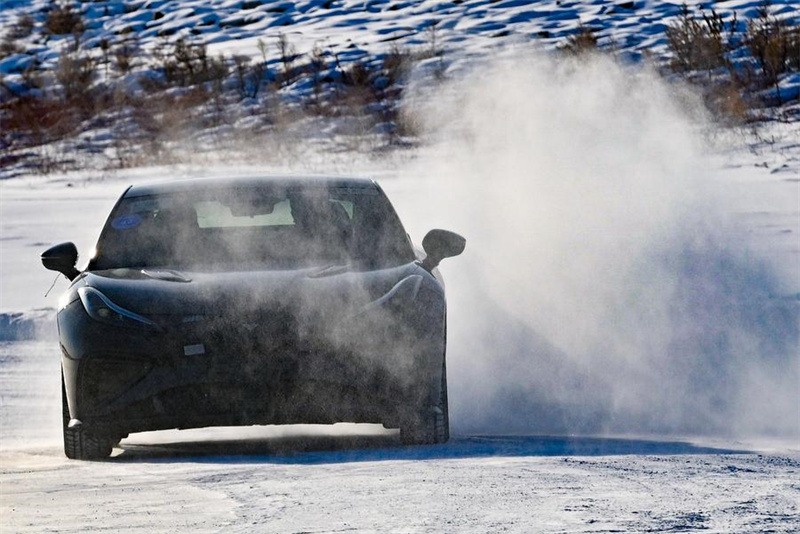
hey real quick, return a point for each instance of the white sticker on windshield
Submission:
(194, 350)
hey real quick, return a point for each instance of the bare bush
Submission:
(123, 58)
(263, 48)
(728, 102)
(287, 53)
(736, 68)
(9, 47)
(162, 117)
(582, 42)
(32, 76)
(317, 65)
(407, 123)
(75, 72)
(698, 44)
(22, 28)
(774, 45)
(249, 76)
(63, 20)
(189, 64)
(358, 75)
(431, 49)
(793, 48)
(397, 64)
(356, 91)
(31, 121)
(105, 48)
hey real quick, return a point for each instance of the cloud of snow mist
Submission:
(604, 288)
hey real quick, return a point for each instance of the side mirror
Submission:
(62, 258)
(441, 244)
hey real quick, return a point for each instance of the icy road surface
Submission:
(358, 478)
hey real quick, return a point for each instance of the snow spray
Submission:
(605, 288)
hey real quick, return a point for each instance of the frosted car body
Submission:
(252, 301)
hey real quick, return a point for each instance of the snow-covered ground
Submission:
(358, 477)
(571, 187)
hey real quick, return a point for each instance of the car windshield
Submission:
(253, 227)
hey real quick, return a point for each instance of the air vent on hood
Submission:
(168, 275)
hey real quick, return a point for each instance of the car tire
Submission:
(433, 425)
(79, 444)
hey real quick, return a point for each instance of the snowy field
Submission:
(358, 477)
(624, 326)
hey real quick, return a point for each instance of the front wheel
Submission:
(433, 425)
(80, 444)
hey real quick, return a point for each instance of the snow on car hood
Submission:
(161, 292)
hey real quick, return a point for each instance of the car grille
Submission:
(249, 338)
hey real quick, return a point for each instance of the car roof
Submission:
(194, 184)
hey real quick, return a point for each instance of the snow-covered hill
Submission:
(125, 82)
(355, 29)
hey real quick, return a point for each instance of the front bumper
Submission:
(209, 371)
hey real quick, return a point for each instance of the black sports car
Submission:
(252, 301)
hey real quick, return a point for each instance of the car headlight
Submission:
(101, 309)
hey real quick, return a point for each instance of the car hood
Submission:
(160, 292)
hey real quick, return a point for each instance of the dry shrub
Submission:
(9, 48)
(407, 124)
(33, 77)
(164, 116)
(582, 42)
(22, 28)
(31, 121)
(249, 76)
(793, 48)
(728, 103)
(431, 48)
(123, 58)
(75, 72)
(358, 75)
(163, 120)
(734, 69)
(356, 91)
(774, 44)
(189, 64)
(397, 64)
(316, 68)
(699, 44)
(63, 20)
(287, 53)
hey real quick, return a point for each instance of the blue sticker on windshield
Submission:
(126, 221)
